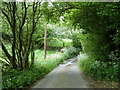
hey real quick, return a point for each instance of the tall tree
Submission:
(45, 41)
(22, 23)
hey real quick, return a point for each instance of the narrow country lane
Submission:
(67, 75)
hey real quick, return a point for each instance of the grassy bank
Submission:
(107, 71)
(19, 79)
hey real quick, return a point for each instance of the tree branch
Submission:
(6, 52)
(7, 17)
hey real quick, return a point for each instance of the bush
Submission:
(77, 43)
(70, 51)
(99, 70)
(19, 79)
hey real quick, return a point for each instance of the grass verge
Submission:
(20, 79)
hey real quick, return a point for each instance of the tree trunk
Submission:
(32, 54)
(45, 41)
(14, 36)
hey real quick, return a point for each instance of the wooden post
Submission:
(45, 41)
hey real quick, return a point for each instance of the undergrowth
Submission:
(20, 79)
(98, 69)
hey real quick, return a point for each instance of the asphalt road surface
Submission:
(66, 75)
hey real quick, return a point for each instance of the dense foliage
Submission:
(93, 27)
(100, 26)
(99, 34)
(21, 23)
